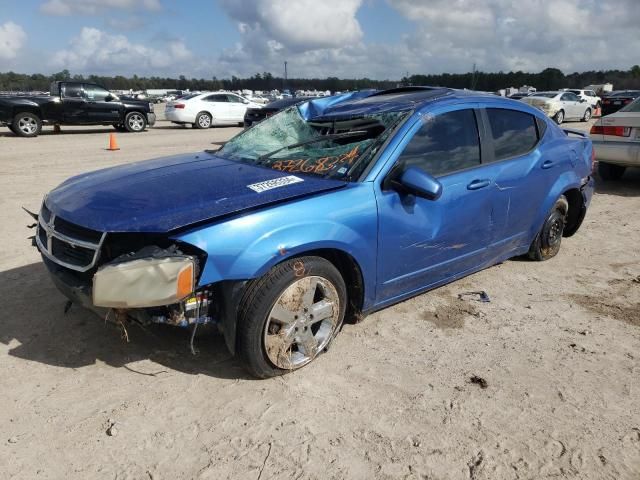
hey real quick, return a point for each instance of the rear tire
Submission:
(203, 120)
(608, 171)
(559, 117)
(587, 115)
(546, 245)
(277, 332)
(26, 124)
(135, 122)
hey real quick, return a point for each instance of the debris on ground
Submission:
(481, 296)
(479, 381)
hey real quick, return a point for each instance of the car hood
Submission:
(162, 195)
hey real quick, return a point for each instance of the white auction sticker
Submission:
(274, 183)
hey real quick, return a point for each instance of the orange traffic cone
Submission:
(598, 112)
(113, 143)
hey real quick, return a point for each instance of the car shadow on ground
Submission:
(627, 186)
(49, 132)
(35, 328)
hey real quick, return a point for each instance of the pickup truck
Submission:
(74, 103)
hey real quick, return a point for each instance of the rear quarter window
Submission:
(514, 133)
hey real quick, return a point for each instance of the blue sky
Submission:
(346, 38)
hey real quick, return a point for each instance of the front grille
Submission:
(67, 244)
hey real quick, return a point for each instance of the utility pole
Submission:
(284, 83)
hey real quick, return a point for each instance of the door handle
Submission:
(548, 164)
(478, 184)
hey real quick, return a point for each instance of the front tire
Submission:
(587, 115)
(608, 171)
(135, 122)
(27, 124)
(290, 316)
(546, 245)
(203, 120)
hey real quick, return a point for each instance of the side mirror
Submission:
(109, 98)
(419, 183)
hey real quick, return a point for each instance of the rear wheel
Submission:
(559, 117)
(546, 245)
(587, 115)
(203, 120)
(135, 122)
(27, 124)
(290, 315)
(608, 171)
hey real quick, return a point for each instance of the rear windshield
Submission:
(187, 97)
(333, 149)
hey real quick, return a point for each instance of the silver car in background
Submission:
(616, 141)
(560, 106)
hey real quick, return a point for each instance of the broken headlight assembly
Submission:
(144, 282)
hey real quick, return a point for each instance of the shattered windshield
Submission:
(289, 143)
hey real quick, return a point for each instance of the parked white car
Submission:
(203, 110)
(560, 105)
(616, 141)
(589, 95)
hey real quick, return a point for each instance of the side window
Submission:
(95, 93)
(514, 133)
(234, 99)
(72, 90)
(445, 143)
(216, 98)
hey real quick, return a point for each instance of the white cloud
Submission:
(96, 51)
(299, 25)
(325, 38)
(12, 38)
(93, 7)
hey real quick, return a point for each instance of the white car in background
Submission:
(560, 105)
(589, 95)
(204, 110)
(616, 141)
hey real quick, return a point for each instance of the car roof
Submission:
(368, 102)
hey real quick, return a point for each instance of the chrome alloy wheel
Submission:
(136, 122)
(302, 322)
(204, 121)
(28, 125)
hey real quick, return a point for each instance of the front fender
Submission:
(245, 247)
(248, 245)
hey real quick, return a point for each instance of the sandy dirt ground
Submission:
(557, 351)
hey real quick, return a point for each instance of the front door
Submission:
(102, 107)
(423, 242)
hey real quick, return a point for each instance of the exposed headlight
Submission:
(145, 282)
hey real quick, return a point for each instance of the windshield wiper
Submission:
(332, 136)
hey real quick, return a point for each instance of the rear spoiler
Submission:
(572, 131)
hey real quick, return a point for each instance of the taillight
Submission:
(627, 100)
(179, 105)
(608, 130)
(606, 102)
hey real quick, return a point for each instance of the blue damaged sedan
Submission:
(327, 211)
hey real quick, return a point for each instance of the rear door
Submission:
(424, 242)
(73, 103)
(102, 107)
(523, 175)
(218, 105)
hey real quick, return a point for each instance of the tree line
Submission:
(548, 79)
